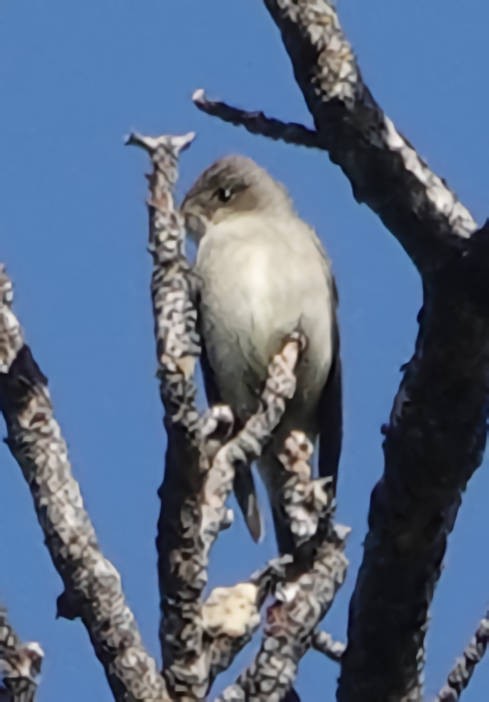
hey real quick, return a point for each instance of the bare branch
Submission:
(459, 677)
(383, 168)
(290, 625)
(20, 664)
(258, 122)
(325, 644)
(177, 348)
(225, 644)
(433, 443)
(318, 570)
(92, 584)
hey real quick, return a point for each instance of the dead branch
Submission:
(20, 664)
(258, 123)
(180, 572)
(461, 674)
(318, 570)
(324, 643)
(92, 584)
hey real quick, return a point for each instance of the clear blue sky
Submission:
(74, 78)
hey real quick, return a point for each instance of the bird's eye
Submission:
(224, 194)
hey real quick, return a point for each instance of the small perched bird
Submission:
(264, 274)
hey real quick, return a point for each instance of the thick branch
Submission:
(92, 585)
(383, 167)
(434, 441)
(20, 664)
(462, 672)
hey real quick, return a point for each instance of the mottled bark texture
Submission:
(20, 664)
(201, 638)
(289, 630)
(92, 585)
(437, 431)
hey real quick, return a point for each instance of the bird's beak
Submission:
(195, 222)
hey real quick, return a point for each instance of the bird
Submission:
(262, 274)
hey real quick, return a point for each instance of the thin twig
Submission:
(92, 585)
(325, 644)
(461, 674)
(258, 123)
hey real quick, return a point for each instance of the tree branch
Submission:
(20, 664)
(92, 584)
(461, 674)
(318, 570)
(383, 168)
(258, 123)
(302, 603)
(433, 443)
(324, 643)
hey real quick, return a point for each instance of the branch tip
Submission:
(177, 143)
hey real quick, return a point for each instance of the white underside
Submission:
(262, 278)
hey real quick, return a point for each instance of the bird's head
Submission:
(232, 186)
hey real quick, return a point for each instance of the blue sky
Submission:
(76, 77)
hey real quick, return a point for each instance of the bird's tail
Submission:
(272, 472)
(244, 489)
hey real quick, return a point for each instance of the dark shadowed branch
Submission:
(258, 123)
(20, 664)
(437, 431)
(92, 584)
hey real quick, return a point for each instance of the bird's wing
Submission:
(330, 409)
(244, 484)
(330, 416)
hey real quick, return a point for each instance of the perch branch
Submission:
(92, 584)
(173, 292)
(20, 664)
(462, 672)
(201, 459)
(318, 570)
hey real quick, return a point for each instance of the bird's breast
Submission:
(258, 285)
